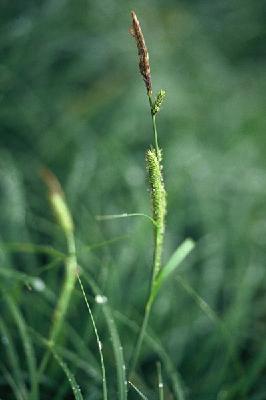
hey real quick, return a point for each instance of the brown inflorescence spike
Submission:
(144, 64)
(51, 181)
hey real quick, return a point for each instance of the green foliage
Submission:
(72, 381)
(71, 100)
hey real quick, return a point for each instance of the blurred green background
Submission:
(71, 99)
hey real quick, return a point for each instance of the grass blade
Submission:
(62, 306)
(27, 345)
(12, 383)
(157, 281)
(13, 360)
(31, 249)
(141, 395)
(157, 347)
(99, 343)
(116, 343)
(124, 215)
(210, 313)
(160, 381)
(71, 379)
(174, 262)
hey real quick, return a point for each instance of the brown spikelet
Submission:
(51, 181)
(144, 64)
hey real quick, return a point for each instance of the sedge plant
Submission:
(154, 167)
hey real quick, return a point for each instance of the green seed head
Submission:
(158, 194)
(158, 102)
(61, 211)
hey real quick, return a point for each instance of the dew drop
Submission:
(38, 284)
(100, 299)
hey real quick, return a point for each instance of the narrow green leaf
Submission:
(116, 343)
(31, 248)
(178, 256)
(210, 313)
(141, 395)
(160, 381)
(11, 382)
(124, 215)
(71, 379)
(175, 260)
(27, 344)
(99, 343)
(154, 343)
(13, 360)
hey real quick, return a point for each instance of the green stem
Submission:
(158, 247)
(159, 229)
(70, 279)
(160, 381)
(156, 262)
(155, 136)
(154, 127)
(140, 339)
(64, 300)
(157, 257)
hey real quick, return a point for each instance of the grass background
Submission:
(72, 99)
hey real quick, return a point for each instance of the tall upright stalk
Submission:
(154, 168)
(64, 219)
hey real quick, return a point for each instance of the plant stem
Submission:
(70, 279)
(157, 257)
(140, 339)
(159, 228)
(64, 300)
(155, 136)
(160, 381)
(154, 127)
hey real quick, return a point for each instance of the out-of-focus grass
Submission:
(71, 99)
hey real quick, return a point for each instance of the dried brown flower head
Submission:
(144, 64)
